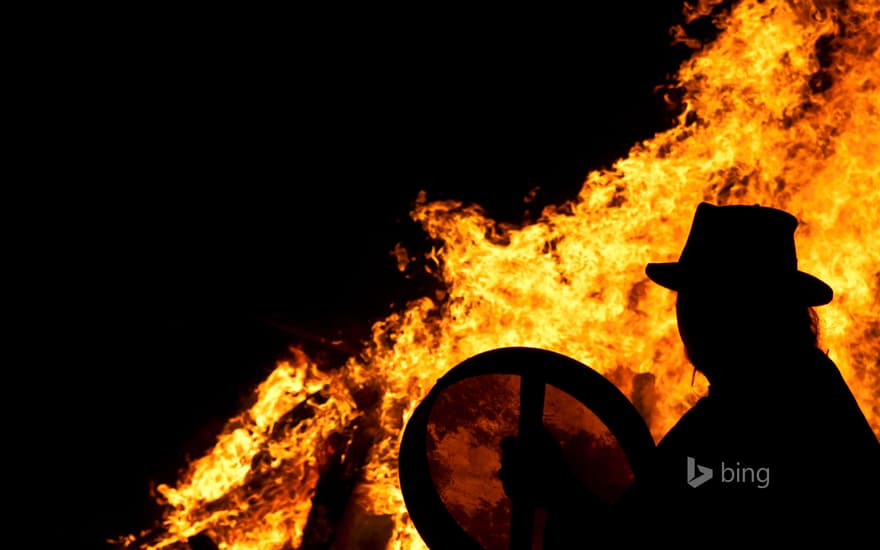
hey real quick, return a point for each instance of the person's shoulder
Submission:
(817, 369)
(813, 373)
(820, 363)
(838, 409)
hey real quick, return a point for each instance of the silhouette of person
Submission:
(779, 447)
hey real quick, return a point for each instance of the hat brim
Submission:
(809, 289)
(667, 274)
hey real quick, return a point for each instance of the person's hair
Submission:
(718, 327)
(779, 325)
(811, 329)
(795, 326)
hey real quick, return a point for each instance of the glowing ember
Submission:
(783, 109)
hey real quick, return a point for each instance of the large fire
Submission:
(782, 109)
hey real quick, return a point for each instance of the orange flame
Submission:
(782, 109)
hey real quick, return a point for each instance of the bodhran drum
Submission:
(451, 448)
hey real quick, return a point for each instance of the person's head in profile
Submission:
(742, 302)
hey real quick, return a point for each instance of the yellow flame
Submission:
(765, 122)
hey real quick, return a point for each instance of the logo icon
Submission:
(695, 480)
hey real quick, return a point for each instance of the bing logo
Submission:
(759, 477)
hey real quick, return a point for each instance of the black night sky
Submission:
(223, 185)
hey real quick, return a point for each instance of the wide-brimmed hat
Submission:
(741, 248)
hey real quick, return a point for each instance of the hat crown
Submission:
(740, 239)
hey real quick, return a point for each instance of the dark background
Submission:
(214, 187)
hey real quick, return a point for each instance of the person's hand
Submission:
(543, 477)
(540, 475)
